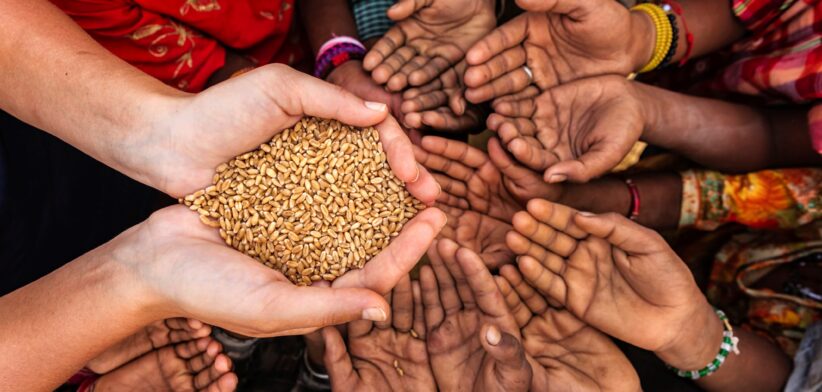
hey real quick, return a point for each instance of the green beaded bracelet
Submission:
(729, 344)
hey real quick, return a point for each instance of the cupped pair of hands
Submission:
(183, 268)
(572, 116)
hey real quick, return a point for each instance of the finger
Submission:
(533, 300)
(448, 251)
(448, 292)
(510, 365)
(444, 119)
(450, 198)
(598, 160)
(220, 367)
(542, 279)
(175, 336)
(425, 188)
(521, 313)
(510, 83)
(337, 361)
(200, 362)
(432, 306)
(445, 156)
(522, 245)
(497, 66)
(227, 383)
(429, 71)
(402, 305)
(621, 232)
(305, 308)
(521, 108)
(426, 101)
(419, 309)
(504, 37)
(541, 235)
(435, 85)
(456, 151)
(399, 80)
(451, 188)
(314, 97)
(483, 287)
(398, 151)
(383, 271)
(556, 215)
(510, 170)
(405, 8)
(360, 328)
(394, 38)
(528, 93)
(192, 348)
(391, 65)
(519, 125)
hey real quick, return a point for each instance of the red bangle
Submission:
(689, 38)
(633, 214)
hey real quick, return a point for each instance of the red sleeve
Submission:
(159, 46)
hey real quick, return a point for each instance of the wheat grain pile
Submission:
(315, 202)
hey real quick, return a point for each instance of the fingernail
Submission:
(375, 106)
(417, 174)
(374, 314)
(555, 178)
(493, 336)
(587, 214)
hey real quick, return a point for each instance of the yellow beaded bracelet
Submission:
(664, 34)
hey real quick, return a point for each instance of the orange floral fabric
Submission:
(767, 199)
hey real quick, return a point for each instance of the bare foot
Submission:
(191, 366)
(156, 335)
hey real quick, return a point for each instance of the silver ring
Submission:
(528, 72)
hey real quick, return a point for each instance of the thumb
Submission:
(314, 97)
(316, 307)
(511, 369)
(405, 8)
(593, 163)
(337, 361)
(620, 232)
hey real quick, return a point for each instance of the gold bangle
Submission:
(664, 34)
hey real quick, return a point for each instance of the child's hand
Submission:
(428, 38)
(560, 41)
(521, 182)
(577, 131)
(565, 350)
(467, 177)
(613, 274)
(375, 348)
(461, 300)
(441, 105)
(480, 233)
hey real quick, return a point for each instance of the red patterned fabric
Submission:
(183, 42)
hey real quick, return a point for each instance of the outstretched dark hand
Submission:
(560, 41)
(385, 355)
(429, 37)
(577, 131)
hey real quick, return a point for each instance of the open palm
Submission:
(613, 274)
(560, 41)
(577, 131)
(563, 350)
(373, 349)
(428, 38)
(481, 233)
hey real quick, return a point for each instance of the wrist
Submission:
(642, 40)
(340, 74)
(697, 342)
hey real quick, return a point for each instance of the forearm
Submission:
(712, 24)
(660, 197)
(324, 19)
(726, 136)
(58, 79)
(53, 326)
(760, 365)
